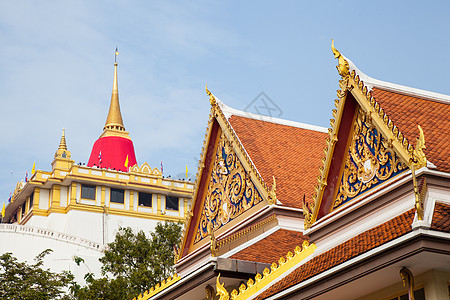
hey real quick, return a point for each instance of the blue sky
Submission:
(56, 68)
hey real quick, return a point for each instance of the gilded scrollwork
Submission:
(230, 191)
(370, 161)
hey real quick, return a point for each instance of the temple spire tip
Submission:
(62, 143)
(114, 120)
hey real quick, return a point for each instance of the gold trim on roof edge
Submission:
(196, 183)
(236, 141)
(217, 113)
(350, 82)
(420, 191)
(237, 235)
(158, 288)
(273, 193)
(145, 169)
(283, 265)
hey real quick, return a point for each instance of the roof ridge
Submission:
(371, 82)
(229, 111)
(235, 135)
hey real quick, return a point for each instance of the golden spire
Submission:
(62, 143)
(114, 119)
(114, 123)
(62, 149)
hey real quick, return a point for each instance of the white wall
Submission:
(25, 246)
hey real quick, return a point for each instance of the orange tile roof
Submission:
(441, 217)
(361, 243)
(291, 154)
(407, 112)
(272, 247)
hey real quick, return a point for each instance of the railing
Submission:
(59, 236)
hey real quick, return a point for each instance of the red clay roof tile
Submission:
(441, 217)
(434, 117)
(361, 243)
(272, 247)
(291, 154)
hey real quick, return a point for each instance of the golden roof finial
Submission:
(342, 67)
(212, 99)
(62, 143)
(114, 120)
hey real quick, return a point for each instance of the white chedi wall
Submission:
(92, 226)
(25, 242)
(77, 233)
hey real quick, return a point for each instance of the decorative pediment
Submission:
(227, 185)
(370, 160)
(230, 191)
(364, 147)
(145, 169)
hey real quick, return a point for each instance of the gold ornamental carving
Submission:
(418, 156)
(308, 209)
(369, 161)
(221, 290)
(273, 193)
(343, 66)
(210, 293)
(230, 191)
(420, 191)
(213, 244)
(408, 281)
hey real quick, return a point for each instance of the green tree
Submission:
(20, 280)
(133, 263)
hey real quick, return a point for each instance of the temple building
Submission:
(285, 210)
(76, 209)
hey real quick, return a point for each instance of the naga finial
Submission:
(419, 158)
(343, 67)
(273, 192)
(221, 291)
(212, 99)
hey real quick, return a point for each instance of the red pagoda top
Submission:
(114, 149)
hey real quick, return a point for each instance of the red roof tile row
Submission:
(291, 154)
(361, 243)
(272, 247)
(441, 217)
(434, 117)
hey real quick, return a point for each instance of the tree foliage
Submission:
(133, 263)
(20, 280)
